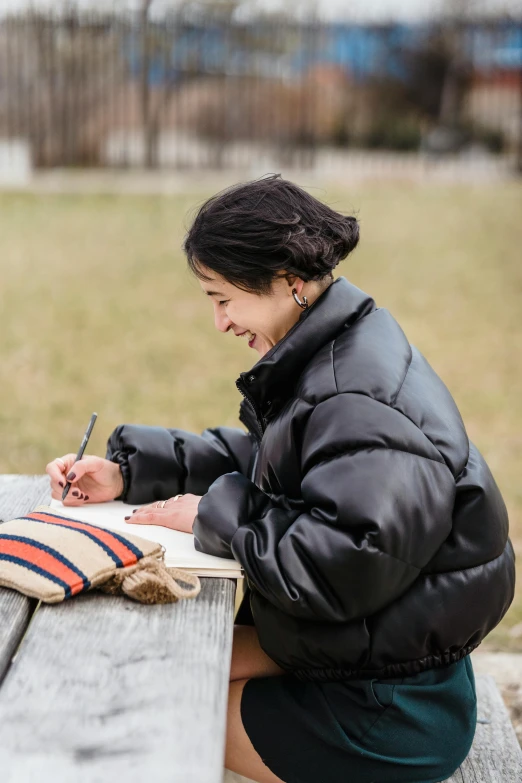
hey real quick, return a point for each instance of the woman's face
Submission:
(261, 320)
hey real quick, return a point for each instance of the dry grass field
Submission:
(99, 313)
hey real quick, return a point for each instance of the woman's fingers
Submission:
(150, 515)
(88, 464)
(144, 518)
(66, 469)
(74, 497)
(179, 514)
(60, 466)
(57, 471)
(146, 512)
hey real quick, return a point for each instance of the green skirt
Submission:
(405, 730)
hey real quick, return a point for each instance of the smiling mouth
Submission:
(249, 336)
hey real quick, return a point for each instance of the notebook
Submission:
(179, 547)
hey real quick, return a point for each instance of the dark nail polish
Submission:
(75, 493)
(86, 497)
(127, 517)
(71, 476)
(61, 484)
(134, 510)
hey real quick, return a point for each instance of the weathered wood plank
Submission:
(18, 495)
(15, 613)
(496, 756)
(103, 687)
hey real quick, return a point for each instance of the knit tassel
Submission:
(150, 582)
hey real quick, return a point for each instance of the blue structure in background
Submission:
(362, 50)
(366, 51)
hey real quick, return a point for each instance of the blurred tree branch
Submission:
(60, 77)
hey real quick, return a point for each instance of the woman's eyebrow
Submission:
(213, 293)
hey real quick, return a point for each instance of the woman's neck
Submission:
(315, 290)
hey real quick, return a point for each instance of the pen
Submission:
(81, 450)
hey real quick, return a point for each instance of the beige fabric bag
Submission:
(49, 556)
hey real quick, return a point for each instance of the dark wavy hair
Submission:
(251, 232)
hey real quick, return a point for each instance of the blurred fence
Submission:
(192, 91)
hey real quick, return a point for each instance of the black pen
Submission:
(81, 450)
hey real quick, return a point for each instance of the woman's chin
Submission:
(258, 345)
(262, 346)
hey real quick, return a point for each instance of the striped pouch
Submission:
(47, 555)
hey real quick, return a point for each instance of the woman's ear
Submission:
(294, 282)
(297, 286)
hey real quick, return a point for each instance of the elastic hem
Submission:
(405, 669)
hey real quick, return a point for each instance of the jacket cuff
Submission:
(149, 462)
(221, 511)
(120, 458)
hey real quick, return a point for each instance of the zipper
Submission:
(249, 399)
(247, 417)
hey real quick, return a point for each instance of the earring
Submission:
(304, 303)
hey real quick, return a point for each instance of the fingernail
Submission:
(71, 476)
(127, 517)
(75, 493)
(86, 497)
(134, 510)
(61, 483)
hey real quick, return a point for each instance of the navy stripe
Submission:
(50, 551)
(101, 544)
(134, 549)
(32, 567)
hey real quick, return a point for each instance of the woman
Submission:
(372, 534)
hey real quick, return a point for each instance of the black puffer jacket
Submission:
(372, 534)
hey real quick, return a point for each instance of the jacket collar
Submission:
(271, 381)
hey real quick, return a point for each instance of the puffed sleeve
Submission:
(158, 463)
(374, 512)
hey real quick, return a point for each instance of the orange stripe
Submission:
(44, 560)
(124, 553)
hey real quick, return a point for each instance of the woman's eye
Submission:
(225, 301)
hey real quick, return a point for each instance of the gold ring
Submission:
(161, 504)
(177, 497)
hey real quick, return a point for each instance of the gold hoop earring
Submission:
(304, 303)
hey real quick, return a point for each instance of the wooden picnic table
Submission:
(100, 688)
(103, 688)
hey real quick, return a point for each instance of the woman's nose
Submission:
(221, 320)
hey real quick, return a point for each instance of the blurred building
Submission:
(189, 90)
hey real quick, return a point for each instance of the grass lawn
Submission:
(99, 313)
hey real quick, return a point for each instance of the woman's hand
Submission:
(93, 479)
(177, 513)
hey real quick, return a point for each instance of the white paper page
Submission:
(180, 551)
